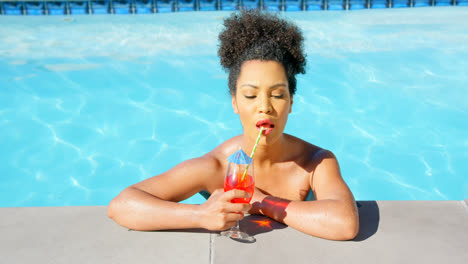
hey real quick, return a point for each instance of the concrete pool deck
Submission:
(391, 232)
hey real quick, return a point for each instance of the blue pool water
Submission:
(92, 104)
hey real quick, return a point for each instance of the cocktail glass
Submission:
(239, 175)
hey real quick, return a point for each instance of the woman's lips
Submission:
(267, 125)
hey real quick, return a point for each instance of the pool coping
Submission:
(391, 231)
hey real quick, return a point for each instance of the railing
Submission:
(87, 7)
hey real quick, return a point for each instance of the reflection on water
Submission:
(91, 106)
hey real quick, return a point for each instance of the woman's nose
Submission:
(264, 104)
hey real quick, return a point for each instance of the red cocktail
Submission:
(239, 175)
(234, 181)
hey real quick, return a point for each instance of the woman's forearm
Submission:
(138, 210)
(329, 219)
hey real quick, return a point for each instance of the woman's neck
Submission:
(266, 155)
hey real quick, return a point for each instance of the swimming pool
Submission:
(92, 104)
(90, 7)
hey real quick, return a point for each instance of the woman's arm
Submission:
(152, 203)
(332, 216)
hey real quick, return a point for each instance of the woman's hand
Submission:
(218, 213)
(256, 201)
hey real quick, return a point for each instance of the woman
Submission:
(262, 54)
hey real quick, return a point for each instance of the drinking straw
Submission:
(253, 152)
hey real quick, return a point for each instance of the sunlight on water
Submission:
(91, 105)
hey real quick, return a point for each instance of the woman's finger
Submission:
(235, 193)
(238, 207)
(228, 225)
(233, 217)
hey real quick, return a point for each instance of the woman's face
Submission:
(262, 99)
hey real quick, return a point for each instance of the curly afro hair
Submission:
(253, 35)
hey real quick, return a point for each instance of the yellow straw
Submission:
(253, 152)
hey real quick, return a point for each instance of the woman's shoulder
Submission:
(301, 145)
(222, 151)
(308, 152)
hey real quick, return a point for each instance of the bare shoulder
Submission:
(324, 172)
(226, 148)
(191, 176)
(215, 165)
(305, 153)
(326, 180)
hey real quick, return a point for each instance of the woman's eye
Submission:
(278, 96)
(249, 96)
